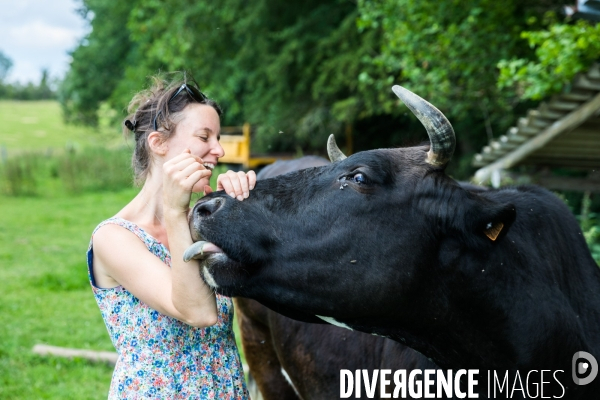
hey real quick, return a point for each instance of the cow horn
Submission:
(439, 129)
(333, 151)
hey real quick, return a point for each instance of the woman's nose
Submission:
(218, 150)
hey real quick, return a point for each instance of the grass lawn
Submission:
(38, 125)
(46, 296)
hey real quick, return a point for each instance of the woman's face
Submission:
(199, 131)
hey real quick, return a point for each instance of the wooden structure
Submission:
(236, 143)
(109, 357)
(561, 132)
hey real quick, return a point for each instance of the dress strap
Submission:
(145, 237)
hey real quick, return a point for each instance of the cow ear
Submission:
(489, 220)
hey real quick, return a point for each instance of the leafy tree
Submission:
(98, 61)
(303, 69)
(5, 65)
(290, 69)
(448, 51)
(287, 68)
(28, 91)
(561, 51)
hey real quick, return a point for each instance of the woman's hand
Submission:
(237, 184)
(180, 174)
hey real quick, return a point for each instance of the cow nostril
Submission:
(203, 212)
(209, 207)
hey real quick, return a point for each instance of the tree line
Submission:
(302, 69)
(27, 91)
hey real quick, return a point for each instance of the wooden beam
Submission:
(546, 112)
(583, 82)
(594, 71)
(560, 104)
(568, 122)
(536, 119)
(109, 357)
(578, 95)
(526, 129)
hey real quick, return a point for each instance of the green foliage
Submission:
(301, 70)
(592, 237)
(561, 51)
(447, 52)
(18, 175)
(99, 60)
(28, 91)
(289, 68)
(95, 169)
(590, 225)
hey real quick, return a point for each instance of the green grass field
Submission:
(45, 296)
(38, 125)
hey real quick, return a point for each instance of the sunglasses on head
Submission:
(192, 91)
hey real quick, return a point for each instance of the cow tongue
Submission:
(199, 250)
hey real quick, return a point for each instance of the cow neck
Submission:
(449, 350)
(547, 341)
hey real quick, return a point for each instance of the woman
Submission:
(173, 334)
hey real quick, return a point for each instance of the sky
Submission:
(38, 34)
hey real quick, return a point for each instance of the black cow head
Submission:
(385, 242)
(370, 240)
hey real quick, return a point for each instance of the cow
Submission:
(385, 242)
(295, 360)
(292, 360)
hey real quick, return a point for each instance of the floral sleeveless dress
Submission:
(161, 357)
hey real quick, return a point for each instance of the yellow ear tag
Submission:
(492, 231)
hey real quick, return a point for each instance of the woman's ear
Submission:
(157, 143)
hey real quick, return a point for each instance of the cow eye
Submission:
(355, 177)
(359, 178)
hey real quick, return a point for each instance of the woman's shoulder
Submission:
(119, 233)
(116, 229)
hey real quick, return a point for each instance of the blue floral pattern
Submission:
(159, 356)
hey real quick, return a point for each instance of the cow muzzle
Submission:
(204, 209)
(201, 212)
